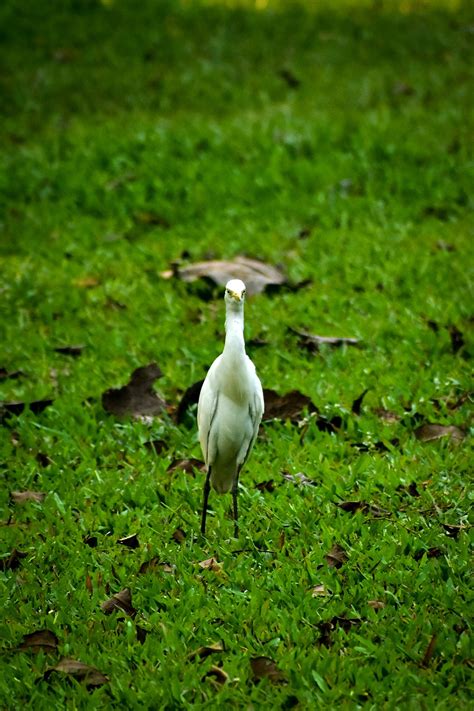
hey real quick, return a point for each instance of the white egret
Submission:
(230, 407)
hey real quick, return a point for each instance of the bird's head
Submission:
(235, 292)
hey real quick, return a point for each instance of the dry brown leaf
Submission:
(138, 397)
(268, 485)
(286, 407)
(179, 535)
(89, 586)
(121, 601)
(80, 671)
(376, 604)
(186, 465)
(42, 640)
(129, 541)
(387, 415)
(453, 530)
(203, 652)
(74, 351)
(12, 560)
(256, 275)
(429, 652)
(319, 591)
(336, 556)
(190, 397)
(357, 403)
(217, 674)
(353, 506)
(16, 408)
(155, 564)
(312, 342)
(298, 478)
(211, 564)
(430, 432)
(265, 668)
(19, 497)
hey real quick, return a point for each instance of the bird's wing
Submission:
(256, 407)
(207, 408)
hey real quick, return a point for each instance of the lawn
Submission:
(332, 140)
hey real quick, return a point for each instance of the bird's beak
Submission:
(235, 295)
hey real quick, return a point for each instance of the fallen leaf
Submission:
(441, 244)
(179, 535)
(286, 407)
(298, 478)
(89, 585)
(16, 408)
(156, 445)
(218, 674)
(256, 275)
(319, 591)
(42, 640)
(457, 339)
(288, 76)
(129, 541)
(186, 465)
(69, 350)
(353, 506)
(265, 668)
(12, 560)
(190, 397)
(268, 485)
(12, 374)
(90, 541)
(121, 601)
(138, 397)
(357, 404)
(203, 652)
(211, 564)
(434, 552)
(336, 556)
(328, 626)
(376, 604)
(43, 459)
(141, 633)
(452, 530)
(86, 282)
(429, 652)
(431, 432)
(80, 671)
(312, 342)
(153, 564)
(386, 415)
(19, 497)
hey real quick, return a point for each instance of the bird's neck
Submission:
(234, 334)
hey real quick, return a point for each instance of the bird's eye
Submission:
(244, 292)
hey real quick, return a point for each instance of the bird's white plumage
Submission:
(231, 401)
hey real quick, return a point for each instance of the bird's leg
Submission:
(235, 489)
(207, 488)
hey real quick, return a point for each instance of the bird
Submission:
(230, 407)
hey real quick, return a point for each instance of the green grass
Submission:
(115, 110)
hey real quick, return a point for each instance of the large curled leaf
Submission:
(120, 601)
(266, 668)
(80, 671)
(312, 342)
(137, 398)
(430, 432)
(286, 407)
(42, 640)
(256, 275)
